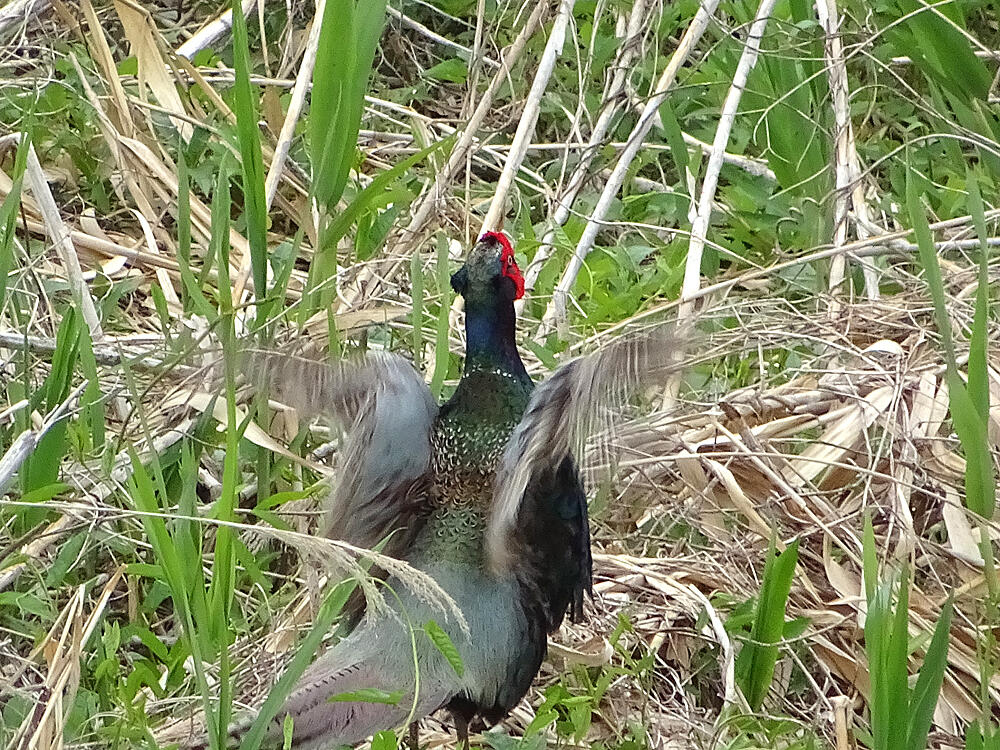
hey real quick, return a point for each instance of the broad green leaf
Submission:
(678, 149)
(340, 78)
(928, 687)
(453, 70)
(940, 50)
(443, 643)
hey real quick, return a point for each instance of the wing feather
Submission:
(387, 411)
(580, 399)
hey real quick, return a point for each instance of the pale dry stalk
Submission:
(144, 211)
(699, 228)
(849, 189)
(61, 239)
(145, 44)
(556, 312)
(611, 106)
(525, 130)
(295, 105)
(529, 116)
(364, 286)
(211, 31)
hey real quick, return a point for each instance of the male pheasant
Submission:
(482, 493)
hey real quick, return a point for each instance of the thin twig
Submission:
(444, 41)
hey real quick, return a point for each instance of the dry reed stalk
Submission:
(611, 105)
(212, 31)
(529, 116)
(556, 311)
(850, 192)
(62, 240)
(699, 228)
(493, 220)
(368, 281)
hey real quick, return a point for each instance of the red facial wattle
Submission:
(508, 266)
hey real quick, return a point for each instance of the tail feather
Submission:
(363, 685)
(320, 722)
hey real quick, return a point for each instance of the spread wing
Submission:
(387, 411)
(538, 483)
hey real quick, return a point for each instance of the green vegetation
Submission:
(156, 547)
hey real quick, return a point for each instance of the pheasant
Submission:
(482, 493)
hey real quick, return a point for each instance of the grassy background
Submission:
(798, 547)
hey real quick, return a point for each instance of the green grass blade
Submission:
(379, 193)
(980, 488)
(8, 216)
(967, 419)
(942, 52)
(417, 313)
(928, 687)
(254, 203)
(340, 79)
(144, 497)
(184, 227)
(877, 646)
(92, 401)
(761, 653)
(675, 139)
(980, 475)
(42, 466)
(869, 557)
(221, 589)
(929, 261)
(979, 389)
(442, 354)
(896, 662)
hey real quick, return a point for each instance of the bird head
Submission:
(490, 273)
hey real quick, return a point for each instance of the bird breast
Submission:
(465, 454)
